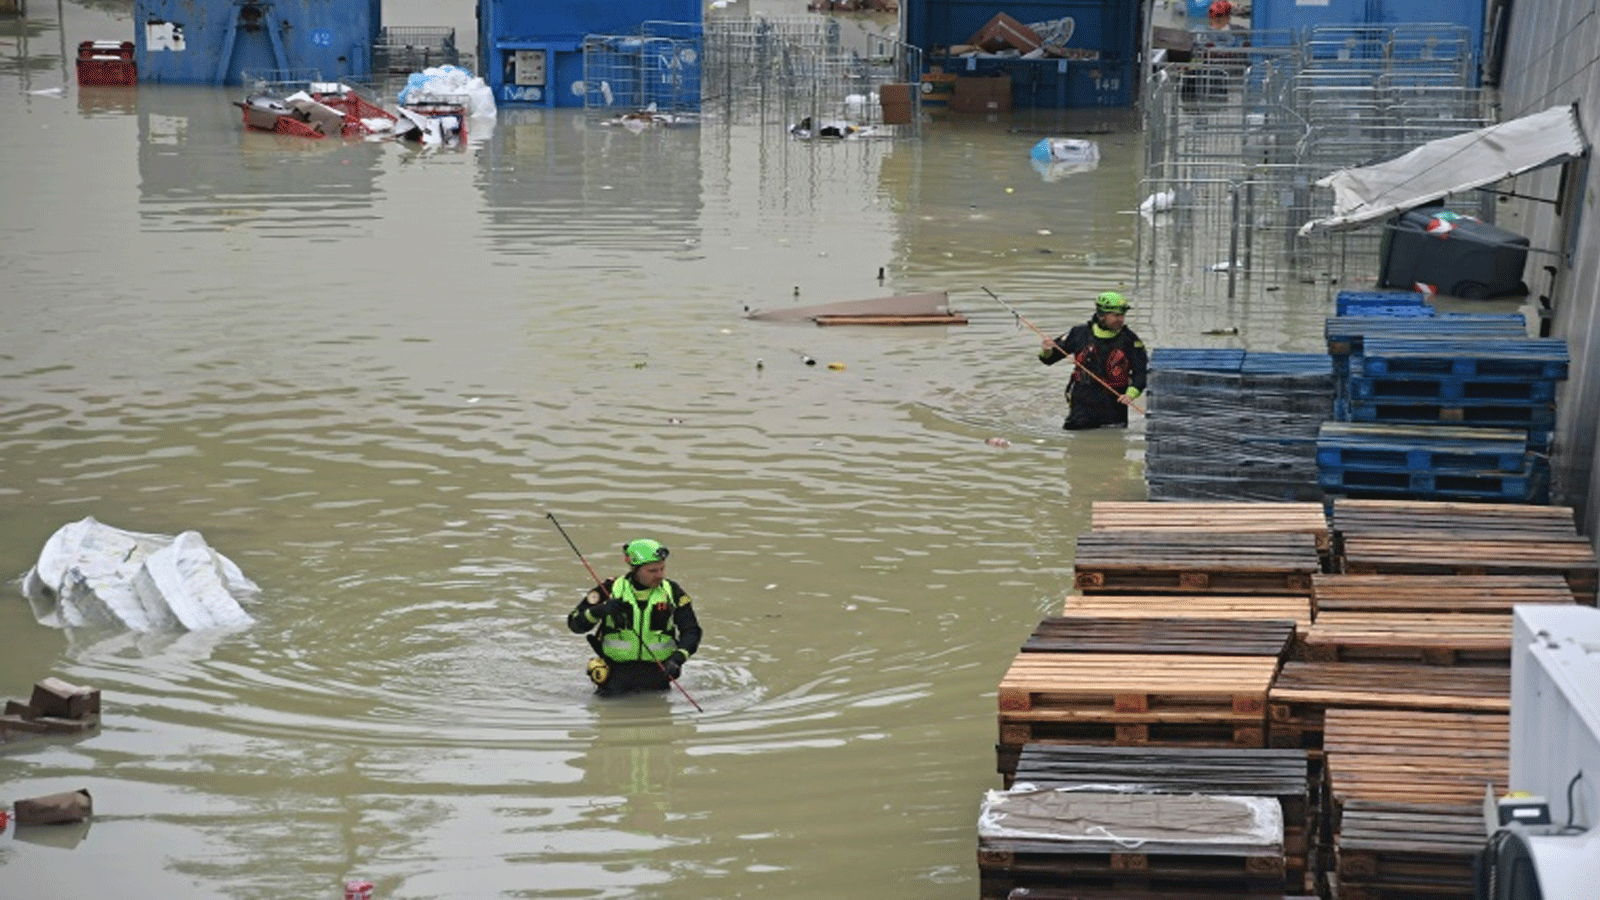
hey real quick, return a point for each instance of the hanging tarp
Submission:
(1448, 165)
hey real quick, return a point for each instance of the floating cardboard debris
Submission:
(56, 707)
(54, 809)
(907, 309)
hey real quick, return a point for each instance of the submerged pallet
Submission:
(1304, 692)
(1190, 562)
(1442, 639)
(1210, 637)
(1332, 593)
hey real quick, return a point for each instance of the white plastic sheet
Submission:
(91, 574)
(1448, 165)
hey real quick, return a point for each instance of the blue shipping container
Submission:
(1108, 27)
(213, 41)
(532, 54)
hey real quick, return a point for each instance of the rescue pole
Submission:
(1024, 320)
(598, 582)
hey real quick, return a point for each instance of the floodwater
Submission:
(369, 375)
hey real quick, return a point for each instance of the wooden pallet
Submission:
(1442, 639)
(1401, 849)
(1246, 772)
(1570, 557)
(1194, 606)
(1434, 593)
(1120, 840)
(1231, 518)
(1305, 691)
(1409, 756)
(1058, 893)
(1185, 562)
(1137, 687)
(1207, 637)
(1375, 518)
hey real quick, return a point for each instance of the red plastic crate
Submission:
(106, 71)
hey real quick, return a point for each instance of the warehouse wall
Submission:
(1552, 49)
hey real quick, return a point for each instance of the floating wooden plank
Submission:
(1570, 557)
(1398, 518)
(1183, 562)
(897, 306)
(1228, 517)
(919, 319)
(1206, 637)
(1447, 639)
(1435, 593)
(1193, 606)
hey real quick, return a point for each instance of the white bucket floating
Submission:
(1065, 150)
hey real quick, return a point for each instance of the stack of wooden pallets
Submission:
(1406, 795)
(1188, 610)
(1382, 644)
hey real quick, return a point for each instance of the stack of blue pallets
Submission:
(1232, 425)
(1433, 461)
(1452, 406)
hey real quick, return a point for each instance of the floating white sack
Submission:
(90, 573)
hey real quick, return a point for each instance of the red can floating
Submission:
(358, 890)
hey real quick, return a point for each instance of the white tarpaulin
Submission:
(91, 574)
(1457, 163)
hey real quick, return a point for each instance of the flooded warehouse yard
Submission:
(370, 373)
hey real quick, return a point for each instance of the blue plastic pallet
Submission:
(1348, 334)
(1408, 304)
(1196, 359)
(1413, 448)
(1481, 486)
(1524, 358)
(1533, 418)
(1451, 389)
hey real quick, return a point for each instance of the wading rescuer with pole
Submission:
(1110, 364)
(643, 626)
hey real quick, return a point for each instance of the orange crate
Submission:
(106, 63)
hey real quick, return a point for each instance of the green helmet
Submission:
(1111, 302)
(643, 552)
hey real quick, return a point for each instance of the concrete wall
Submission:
(1551, 59)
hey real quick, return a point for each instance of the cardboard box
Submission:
(71, 806)
(896, 100)
(1003, 33)
(982, 95)
(54, 697)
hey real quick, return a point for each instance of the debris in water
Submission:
(998, 442)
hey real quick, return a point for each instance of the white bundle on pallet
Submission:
(89, 573)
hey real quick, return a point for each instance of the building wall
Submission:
(1553, 58)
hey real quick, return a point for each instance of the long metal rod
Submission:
(1024, 320)
(598, 581)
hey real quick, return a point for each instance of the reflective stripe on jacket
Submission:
(640, 640)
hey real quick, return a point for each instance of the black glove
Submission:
(615, 609)
(674, 664)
